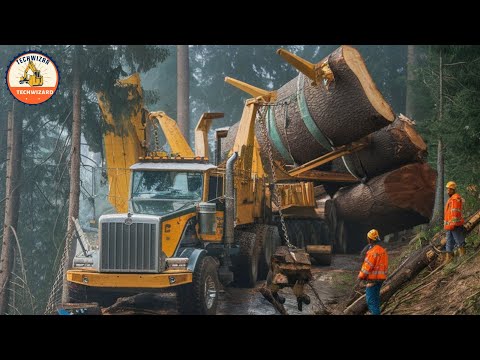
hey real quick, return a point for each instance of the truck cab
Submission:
(175, 213)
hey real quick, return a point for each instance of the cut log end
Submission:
(415, 138)
(355, 62)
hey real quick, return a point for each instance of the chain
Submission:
(263, 128)
(155, 134)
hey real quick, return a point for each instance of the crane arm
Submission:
(175, 139)
(30, 66)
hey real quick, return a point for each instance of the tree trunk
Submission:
(439, 190)
(351, 108)
(183, 91)
(411, 63)
(3, 136)
(412, 266)
(12, 205)
(391, 147)
(73, 200)
(391, 202)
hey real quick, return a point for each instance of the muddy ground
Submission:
(333, 284)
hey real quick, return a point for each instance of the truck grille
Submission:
(129, 248)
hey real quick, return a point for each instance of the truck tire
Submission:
(201, 296)
(246, 269)
(270, 243)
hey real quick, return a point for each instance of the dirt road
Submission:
(331, 282)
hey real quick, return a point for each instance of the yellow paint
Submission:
(174, 136)
(252, 90)
(201, 133)
(34, 80)
(172, 231)
(257, 165)
(296, 194)
(335, 154)
(315, 72)
(123, 144)
(96, 279)
(245, 214)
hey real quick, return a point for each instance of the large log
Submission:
(349, 109)
(411, 267)
(391, 147)
(391, 202)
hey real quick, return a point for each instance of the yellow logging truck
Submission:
(186, 223)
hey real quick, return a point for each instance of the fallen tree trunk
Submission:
(391, 147)
(391, 202)
(140, 302)
(351, 108)
(413, 265)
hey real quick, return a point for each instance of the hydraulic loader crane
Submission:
(186, 223)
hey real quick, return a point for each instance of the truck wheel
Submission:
(246, 270)
(201, 296)
(270, 242)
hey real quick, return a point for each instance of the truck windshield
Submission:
(162, 192)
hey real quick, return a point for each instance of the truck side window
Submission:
(215, 188)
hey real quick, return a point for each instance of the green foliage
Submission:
(46, 139)
(459, 127)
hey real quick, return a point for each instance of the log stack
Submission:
(396, 190)
(394, 201)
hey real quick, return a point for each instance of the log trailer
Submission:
(186, 223)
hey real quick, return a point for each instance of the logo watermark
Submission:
(32, 77)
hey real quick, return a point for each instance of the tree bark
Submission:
(412, 266)
(3, 136)
(351, 108)
(391, 202)
(73, 200)
(440, 191)
(411, 63)
(12, 205)
(391, 147)
(183, 90)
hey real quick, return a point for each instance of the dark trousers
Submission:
(455, 236)
(372, 294)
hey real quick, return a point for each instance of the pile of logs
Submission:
(396, 185)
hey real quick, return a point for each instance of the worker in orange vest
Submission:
(453, 222)
(374, 271)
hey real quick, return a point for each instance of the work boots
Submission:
(448, 258)
(461, 251)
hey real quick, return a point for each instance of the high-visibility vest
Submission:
(453, 212)
(375, 265)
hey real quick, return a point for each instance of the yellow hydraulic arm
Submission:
(338, 152)
(201, 133)
(316, 72)
(123, 142)
(178, 145)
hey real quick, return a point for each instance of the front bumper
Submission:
(89, 277)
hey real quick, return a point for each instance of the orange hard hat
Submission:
(451, 185)
(373, 234)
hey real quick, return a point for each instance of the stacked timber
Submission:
(389, 148)
(396, 190)
(394, 201)
(318, 117)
